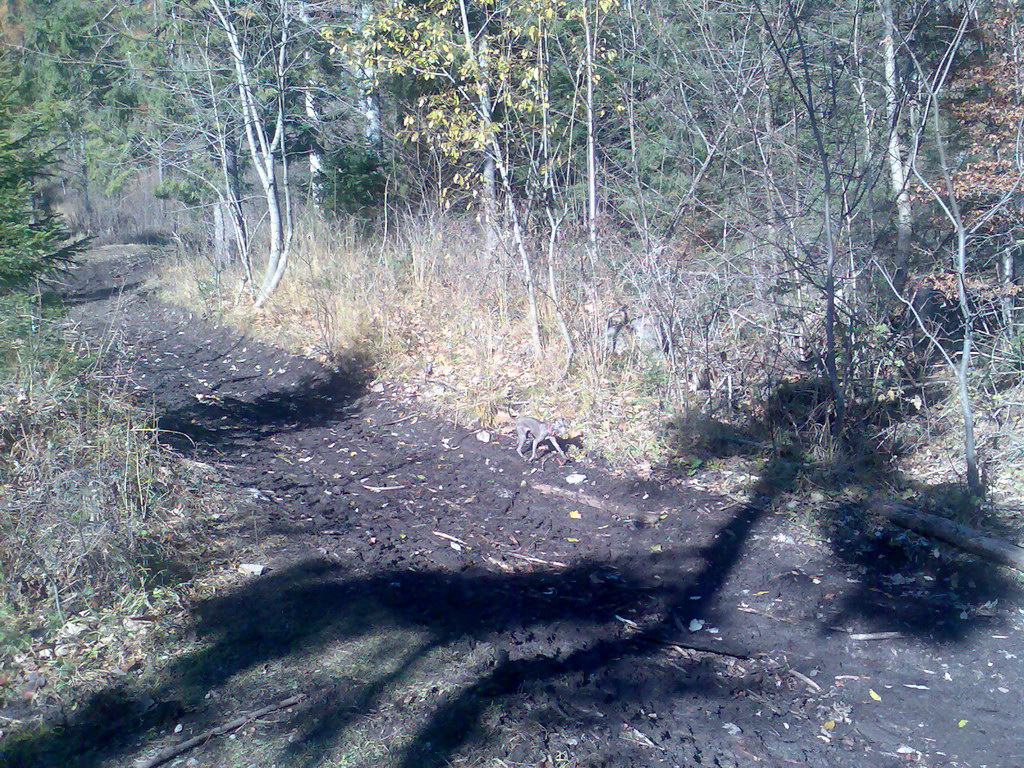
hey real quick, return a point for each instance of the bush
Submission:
(352, 180)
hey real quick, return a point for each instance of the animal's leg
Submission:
(522, 441)
(554, 441)
(536, 444)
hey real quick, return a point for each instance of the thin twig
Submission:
(398, 421)
(170, 752)
(531, 559)
(681, 647)
(452, 539)
(805, 679)
(378, 489)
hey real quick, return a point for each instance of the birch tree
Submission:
(259, 42)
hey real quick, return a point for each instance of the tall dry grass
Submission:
(429, 306)
(96, 518)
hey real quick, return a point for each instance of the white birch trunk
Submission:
(896, 154)
(263, 147)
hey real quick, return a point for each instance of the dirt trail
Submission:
(437, 608)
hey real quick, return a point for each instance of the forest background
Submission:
(702, 229)
(726, 239)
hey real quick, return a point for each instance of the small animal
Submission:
(539, 432)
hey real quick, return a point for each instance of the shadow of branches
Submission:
(540, 627)
(900, 581)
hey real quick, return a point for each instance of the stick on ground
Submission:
(164, 755)
(581, 497)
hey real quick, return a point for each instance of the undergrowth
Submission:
(434, 311)
(98, 522)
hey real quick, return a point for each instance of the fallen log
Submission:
(967, 539)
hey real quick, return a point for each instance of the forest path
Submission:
(437, 605)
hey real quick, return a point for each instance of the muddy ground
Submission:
(436, 603)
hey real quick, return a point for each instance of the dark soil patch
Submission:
(437, 608)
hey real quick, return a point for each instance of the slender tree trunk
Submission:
(831, 368)
(490, 206)
(483, 107)
(316, 162)
(490, 189)
(964, 368)
(861, 87)
(543, 66)
(1009, 287)
(589, 34)
(641, 198)
(805, 93)
(951, 208)
(233, 195)
(283, 194)
(226, 149)
(896, 154)
(369, 104)
(263, 148)
(221, 249)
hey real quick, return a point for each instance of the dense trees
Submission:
(763, 182)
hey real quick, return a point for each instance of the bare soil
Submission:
(438, 606)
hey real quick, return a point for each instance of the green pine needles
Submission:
(33, 243)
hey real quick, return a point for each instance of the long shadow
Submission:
(899, 581)
(453, 725)
(225, 422)
(304, 609)
(78, 298)
(260, 405)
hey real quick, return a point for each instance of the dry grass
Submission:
(430, 309)
(97, 521)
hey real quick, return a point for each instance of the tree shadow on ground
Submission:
(542, 627)
(100, 294)
(225, 422)
(900, 580)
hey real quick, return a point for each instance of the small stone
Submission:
(252, 569)
(575, 479)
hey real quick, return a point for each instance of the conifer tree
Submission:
(33, 243)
